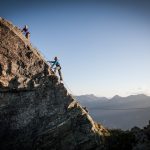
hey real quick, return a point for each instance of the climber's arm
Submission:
(52, 62)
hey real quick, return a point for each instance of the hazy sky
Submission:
(103, 47)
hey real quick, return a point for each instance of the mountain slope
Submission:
(36, 111)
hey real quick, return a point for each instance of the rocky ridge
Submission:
(36, 110)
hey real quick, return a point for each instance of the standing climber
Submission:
(57, 68)
(26, 32)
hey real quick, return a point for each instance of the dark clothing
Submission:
(27, 35)
(26, 32)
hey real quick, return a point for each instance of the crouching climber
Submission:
(26, 32)
(57, 66)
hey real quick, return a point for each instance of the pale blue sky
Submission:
(104, 48)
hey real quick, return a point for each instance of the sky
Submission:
(103, 46)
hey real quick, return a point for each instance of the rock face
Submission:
(36, 111)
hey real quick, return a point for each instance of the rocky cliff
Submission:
(36, 111)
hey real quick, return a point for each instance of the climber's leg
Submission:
(59, 72)
(28, 35)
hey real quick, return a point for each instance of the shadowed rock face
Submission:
(36, 111)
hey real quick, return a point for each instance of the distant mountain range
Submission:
(118, 112)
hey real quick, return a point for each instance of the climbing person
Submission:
(26, 32)
(57, 67)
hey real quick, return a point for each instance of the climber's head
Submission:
(26, 26)
(55, 58)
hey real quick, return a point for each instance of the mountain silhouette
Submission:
(118, 112)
